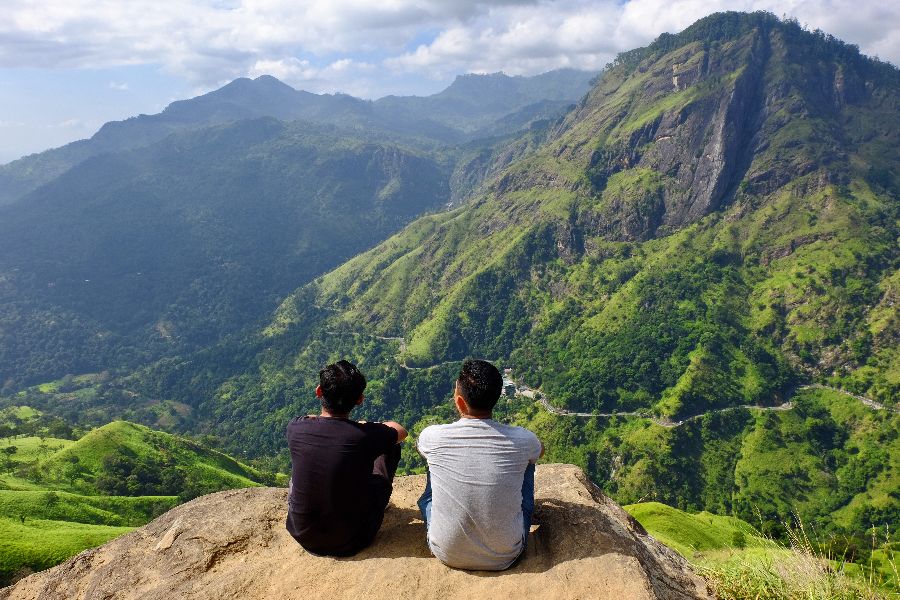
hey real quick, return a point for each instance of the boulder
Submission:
(233, 545)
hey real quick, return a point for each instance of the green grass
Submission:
(690, 534)
(757, 567)
(32, 448)
(93, 510)
(40, 544)
(201, 465)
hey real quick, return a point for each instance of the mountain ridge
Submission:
(266, 96)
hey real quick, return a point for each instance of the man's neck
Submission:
(331, 415)
(477, 416)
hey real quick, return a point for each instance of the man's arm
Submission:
(401, 431)
(541, 455)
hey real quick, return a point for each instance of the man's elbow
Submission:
(402, 434)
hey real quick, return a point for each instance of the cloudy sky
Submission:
(68, 66)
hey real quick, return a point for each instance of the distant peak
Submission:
(263, 81)
(270, 81)
(471, 76)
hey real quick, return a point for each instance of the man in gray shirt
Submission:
(479, 498)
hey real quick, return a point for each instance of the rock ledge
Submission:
(233, 545)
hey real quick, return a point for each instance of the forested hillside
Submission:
(132, 256)
(163, 233)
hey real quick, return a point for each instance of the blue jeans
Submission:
(527, 502)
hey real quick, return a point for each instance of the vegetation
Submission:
(61, 496)
(709, 232)
(740, 563)
(34, 545)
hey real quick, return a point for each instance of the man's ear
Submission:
(360, 401)
(319, 393)
(461, 405)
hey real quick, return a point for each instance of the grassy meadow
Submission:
(60, 496)
(740, 563)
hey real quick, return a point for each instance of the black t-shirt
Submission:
(331, 500)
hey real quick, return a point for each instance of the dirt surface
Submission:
(233, 545)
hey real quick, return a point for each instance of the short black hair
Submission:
(480, 384)
(342, 384)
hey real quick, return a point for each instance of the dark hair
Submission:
(342, 384)
(480, 384)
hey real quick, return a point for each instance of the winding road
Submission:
(541, 399)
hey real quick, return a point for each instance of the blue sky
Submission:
(68, 66)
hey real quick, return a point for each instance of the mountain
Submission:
(164, 233)
(712, 228)
(707, 228)
(480, 106)
(135, 255)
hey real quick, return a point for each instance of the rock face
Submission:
(234, 545)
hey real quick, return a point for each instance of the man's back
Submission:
(330, 502)
(476, 467)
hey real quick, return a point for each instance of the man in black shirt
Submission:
(341, 470)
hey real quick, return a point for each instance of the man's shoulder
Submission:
(518, 431)
(435, 430)
(374, 428)
(314, 422)
(299, 422)
(436, 434)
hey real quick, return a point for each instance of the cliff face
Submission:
(233, 545)
(735, 103)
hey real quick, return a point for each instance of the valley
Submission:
(686, 266)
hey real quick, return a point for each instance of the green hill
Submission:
(126, 459)
(740, 563)
(690, 534)
(122, 475)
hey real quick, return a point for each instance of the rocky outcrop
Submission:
(233, 545)
(699, 146)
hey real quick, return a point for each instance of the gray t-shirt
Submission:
(476, 468)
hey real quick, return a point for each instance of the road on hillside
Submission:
(543, 401)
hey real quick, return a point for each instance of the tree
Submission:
(9, 451)
(51, 499)
(73, 469)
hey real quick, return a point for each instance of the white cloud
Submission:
(325, 45)
(343, 75)
(122, 87)
(69, 124)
